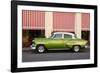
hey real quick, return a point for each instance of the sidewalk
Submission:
(26, 49)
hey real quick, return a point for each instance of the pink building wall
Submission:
(61, 21)
(85, 21)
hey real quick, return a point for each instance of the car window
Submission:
(57, 36)
(67, 36)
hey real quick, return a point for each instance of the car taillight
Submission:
(87, 45)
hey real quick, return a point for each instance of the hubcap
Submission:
(76, 48)
(40, 49)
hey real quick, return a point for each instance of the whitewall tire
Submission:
(40, 49)
(76, 48)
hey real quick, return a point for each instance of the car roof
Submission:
(63, 33)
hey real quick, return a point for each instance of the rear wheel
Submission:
(76, 48)
(40, 49)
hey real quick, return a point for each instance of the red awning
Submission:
(85, 21)
(63, 21)
(33, 19)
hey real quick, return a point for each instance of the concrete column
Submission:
(48, 24)
(78, 21)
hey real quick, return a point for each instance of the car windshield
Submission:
(51, 36)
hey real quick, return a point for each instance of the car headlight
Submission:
(33, 46)
(33, 43)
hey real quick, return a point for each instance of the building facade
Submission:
(43, 23)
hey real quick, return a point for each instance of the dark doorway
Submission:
(29, 35)
(86, 35)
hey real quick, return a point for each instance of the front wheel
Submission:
(40, 49)
(76, 48)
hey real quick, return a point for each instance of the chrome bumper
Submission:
(87, 46)
(33, 47)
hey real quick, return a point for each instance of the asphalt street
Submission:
(30, 56)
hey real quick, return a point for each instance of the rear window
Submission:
(67, 36)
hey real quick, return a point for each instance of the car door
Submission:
(56, 42)
(67, 40)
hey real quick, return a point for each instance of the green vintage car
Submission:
(59, 41)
